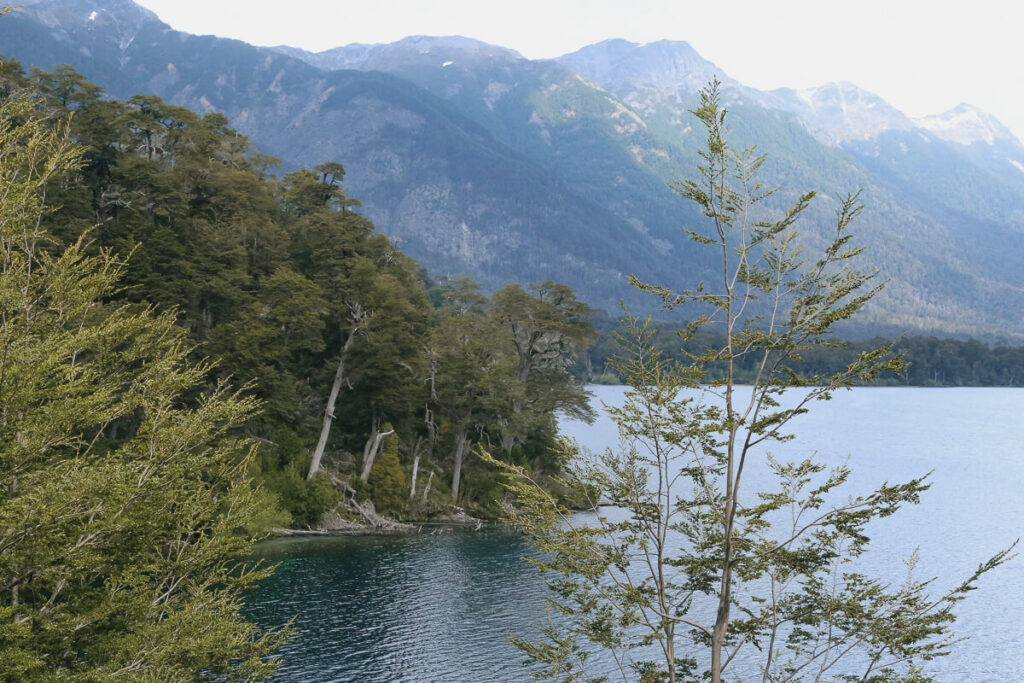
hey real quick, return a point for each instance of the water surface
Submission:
(439, 607)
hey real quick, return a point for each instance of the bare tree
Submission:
(359, 318)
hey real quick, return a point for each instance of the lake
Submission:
(439, 607)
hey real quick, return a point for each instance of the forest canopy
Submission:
(308, 309)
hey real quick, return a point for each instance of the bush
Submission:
(304, 500)
(390, 488)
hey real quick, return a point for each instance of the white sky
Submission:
(922, 57)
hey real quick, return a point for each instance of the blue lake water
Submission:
(440, 607)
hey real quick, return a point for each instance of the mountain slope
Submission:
(487, 163)
(943, 218)
(457, 199)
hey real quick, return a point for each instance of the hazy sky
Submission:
(922, 57)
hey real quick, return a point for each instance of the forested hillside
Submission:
(464, 153)
(930, 361)
(358, 359)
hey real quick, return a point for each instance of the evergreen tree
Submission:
(320, 317)
(546, 329)
(472, 375)
(387, 478)
(125, 501)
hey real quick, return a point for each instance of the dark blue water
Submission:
(439, 607)
(421, 608)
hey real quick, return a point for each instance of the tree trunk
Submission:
(325, 430)
(461, 444)
(670, 651)
(369, 455)
(426, 489)
(415, 467)
(370, 445)
(717, 638)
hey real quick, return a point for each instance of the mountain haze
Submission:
(486, 163)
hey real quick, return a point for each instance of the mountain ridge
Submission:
(488, 163)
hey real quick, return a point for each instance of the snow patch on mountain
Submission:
(966, 125)
(839, 112)
(385, 56)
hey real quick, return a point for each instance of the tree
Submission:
(263, 342)
(387, 362)
(125, 500)
(387, 478)
(546, 330)
(692, 567)
(358, 317)
(472, 372)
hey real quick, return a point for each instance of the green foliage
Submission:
(689, 565)
(390, 486)
(126, 500)
(363, 490)
(286, 285)
(260, 271)
(499, 372)
(929, 361)
(303, 500)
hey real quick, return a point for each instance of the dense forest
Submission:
(374, 381)
(930, 361)
(179, 320)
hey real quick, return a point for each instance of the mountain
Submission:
(430, 50)
(966, 125)
(840, 112)
(483, 162)
(622, 66)
(454, 197)
(944, 195)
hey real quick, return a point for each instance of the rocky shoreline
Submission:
(369, 523)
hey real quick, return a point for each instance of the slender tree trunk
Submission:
(371, 455)
(415, 466)
(426, 489)
(325, 430)
(731, 477)
(670, 651)
(369, 445)
(461, 444)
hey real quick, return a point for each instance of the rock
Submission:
(459, 516)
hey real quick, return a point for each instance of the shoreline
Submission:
(395, 529)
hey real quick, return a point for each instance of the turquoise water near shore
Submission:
(439, 607)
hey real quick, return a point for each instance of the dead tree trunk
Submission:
(415, 466)
(461, 445)
(371, 444)
(508, 442)
(325, 429)
(332, 399)
(426, 489)
(370, 452)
